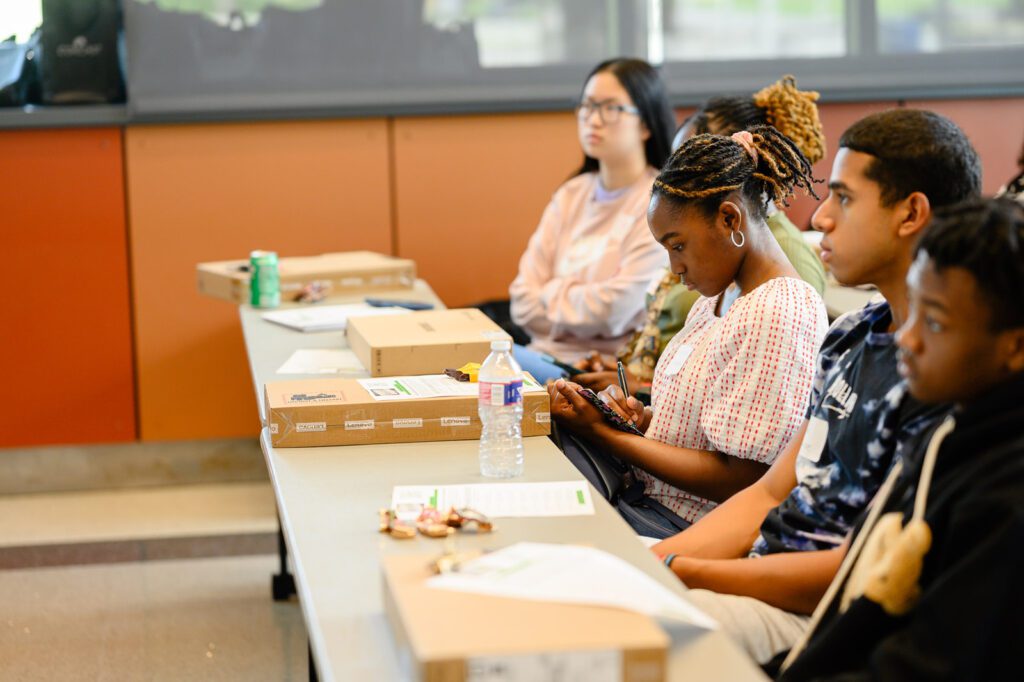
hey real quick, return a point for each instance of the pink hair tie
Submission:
(746, 140)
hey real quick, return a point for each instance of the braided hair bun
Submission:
(793, 113)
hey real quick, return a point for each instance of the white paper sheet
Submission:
(570, 574)
(326, 318)
(428, 386)
(498, 500)
(322, 361)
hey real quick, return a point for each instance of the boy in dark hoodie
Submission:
(931, 586)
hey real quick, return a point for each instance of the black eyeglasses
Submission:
(608, 112)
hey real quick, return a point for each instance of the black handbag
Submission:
(607, 473)
(616, 482)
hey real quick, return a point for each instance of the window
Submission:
(928, 26)
(534, 33)
(752, 29)
(846, 49)
(19, 18)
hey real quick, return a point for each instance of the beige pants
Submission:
(762, 630)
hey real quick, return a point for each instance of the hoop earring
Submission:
(742, 241)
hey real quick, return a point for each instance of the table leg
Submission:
(312, 666)
(282, 585)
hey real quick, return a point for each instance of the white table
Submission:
(327, 500)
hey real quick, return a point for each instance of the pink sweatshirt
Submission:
(582, 280)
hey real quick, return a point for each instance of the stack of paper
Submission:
(570, 574)
(322, 361)
(500, 500)
(327, 318)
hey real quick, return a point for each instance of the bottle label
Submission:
(501, 394)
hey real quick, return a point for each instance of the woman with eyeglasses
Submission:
(582, 280)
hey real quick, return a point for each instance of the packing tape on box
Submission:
(452, 421)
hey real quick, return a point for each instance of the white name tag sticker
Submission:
(814, 440)
(678, 360)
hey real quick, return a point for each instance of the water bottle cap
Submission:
(505, 345)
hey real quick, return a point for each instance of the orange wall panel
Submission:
(469, 192)
(66, 330)
(996, 128)
(216, 191)
(993, 126)
(467, 186)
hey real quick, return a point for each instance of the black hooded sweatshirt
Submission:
(969, 621)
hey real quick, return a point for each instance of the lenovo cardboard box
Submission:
(451, 636)
(427, 342)
(351, 272)
(314, 412)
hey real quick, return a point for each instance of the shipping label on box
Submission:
(343, 273)
(316, 412)
(426, 342)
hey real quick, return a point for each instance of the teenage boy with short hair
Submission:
(892, 170)
(931, 587)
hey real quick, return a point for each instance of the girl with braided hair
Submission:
(730, 390)
(794, 113)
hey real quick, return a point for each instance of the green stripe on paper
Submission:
(403, 389)
(579, 497)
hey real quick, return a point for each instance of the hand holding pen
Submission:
(619, 399)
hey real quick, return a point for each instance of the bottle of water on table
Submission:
(501, 412)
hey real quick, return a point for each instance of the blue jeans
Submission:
(651, 519)
(537, 364)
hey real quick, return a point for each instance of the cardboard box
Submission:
(427, 342)
(451, 636)
(351, 272)
(313, 412)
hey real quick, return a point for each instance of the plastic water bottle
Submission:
(501, 412)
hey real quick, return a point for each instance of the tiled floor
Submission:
(192, 619)
(198, 619)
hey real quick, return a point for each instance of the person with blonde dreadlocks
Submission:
(730, 389)
(794, 113)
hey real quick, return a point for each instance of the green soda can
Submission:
(264, 280)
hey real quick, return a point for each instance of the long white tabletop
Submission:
(328, 498)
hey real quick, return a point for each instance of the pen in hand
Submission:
(622, 381)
